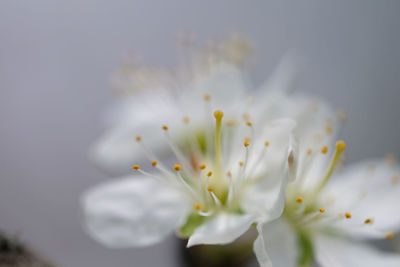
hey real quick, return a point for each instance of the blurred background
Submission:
(56, 58)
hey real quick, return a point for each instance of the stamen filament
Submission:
(340, 146)
(218, 161)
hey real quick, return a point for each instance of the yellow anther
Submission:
(209, 173)
(241, 163)
(266, 143)
(230, 122)
(136, 167)
(218, 114)
(165, 127)
(154, 163)
(321, 210)
(202, 166)
(340, 146)
(328, 130)
(177, 167)
(197, 206)
(138, 138)
(246, 143)
(299, 199)
(186, 119)
(389, 235)
(248, 123)
(368, 221)
(309, 151)
(246, 116)
(395, 179)
(229, 174)
(210, 189)
(206, 97)
(390, 160)
(347, 215)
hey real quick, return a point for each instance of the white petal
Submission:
(116, 150)
(276, 245)
(266, 196)
(134, 211)
(225, 83)
(222, 229)
(366, 192)
(333, 252)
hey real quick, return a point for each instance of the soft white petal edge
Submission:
(134, 211)
(335, 252)
(276, 245)
(222, 229)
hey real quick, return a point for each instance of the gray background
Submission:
(56, 58)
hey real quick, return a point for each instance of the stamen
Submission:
(347, 215)
(209, 173)
(176, 150)
(210, 189)
(321, 210)
(186, 120)
(230, 123)
(246, 143)
(216, 200)
(154, 163)
(395, 179)
(165, 127)
(177, 167)
(389, 235)
(328, 130)
(324, 150)
(266, 143)
(136, 167)
(207, 97)
(299, 199)
(197, 206)
(390, 160)
(218, 117)
(249, 123)
(202, 166)
(368, 221)
(340, 146)
(138, 138)
(241, 163)
(309, 151)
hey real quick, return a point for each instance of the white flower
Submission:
(224, 181)
(327, 220)
(155, 97)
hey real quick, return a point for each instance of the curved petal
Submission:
(222, 229)
(333, 252)
(266, 196)
(133, 212)
(225, 83)
(366, 190)
(276, 245)
(144, 114)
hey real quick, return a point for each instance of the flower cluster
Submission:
(214, 158)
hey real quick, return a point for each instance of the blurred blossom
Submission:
(226, 157)
(151, 97)
(234, 152)
(329, 215)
